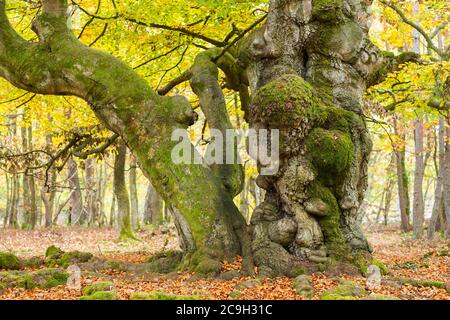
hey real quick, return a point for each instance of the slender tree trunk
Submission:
(402, 179)
(76, 198)
(14, 208)
(133, 193)
(438, 195)
(153, 209)
(446, 186)
(102, 179)
(121, 193)
(48, 193)
(8, 191)
(26, 198)
(381, 205)
(419, 171)
(90, 206)
(32, 185)
(112, 211)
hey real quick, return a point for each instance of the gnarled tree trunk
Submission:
(307, 68)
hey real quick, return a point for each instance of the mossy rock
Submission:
(383, 268)
(33, 262)
(101, 295)
(297, 271)
(303, 287)
(347, 290)
(165, 262)
(334, 296)
(157, 295)
(53, 252)
(57, 257)
(98, 287)
(380, 297)
(44, 278)
(9, 261)
(208, 266)
(73, 257)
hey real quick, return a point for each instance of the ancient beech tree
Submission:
(304, 72)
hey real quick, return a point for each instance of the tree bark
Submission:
(402, 179)
(446, 186)
(438, 194)
(153, 208)
(76, 214)
(133, 193)
(48, 193)
(308, 68)
(121, 193)
(90, 206)
(26, 197)
(419, 171)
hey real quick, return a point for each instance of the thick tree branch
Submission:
(390, 64)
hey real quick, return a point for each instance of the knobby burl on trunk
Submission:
(307, 68)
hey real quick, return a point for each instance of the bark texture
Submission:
(308, 68)
(121, 193)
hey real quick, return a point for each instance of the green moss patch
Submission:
(331, 151)
(156, 295)
(347, 290)
(165, 262)
(44, 278)
(57, 257)
(100, 291)
(9, 261)
(101, 295)
(288, 100)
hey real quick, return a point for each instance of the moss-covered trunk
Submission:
(308, 68)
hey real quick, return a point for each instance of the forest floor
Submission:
(404, 257)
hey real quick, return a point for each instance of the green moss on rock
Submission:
(347, 290)
(57, 257)
(165, 262)
(208, 265)
(53, 252)
(69, 258)
(101, 295)
(380, 297)
(156, 295)
(9, 261)
(44, 278)
(98, 287)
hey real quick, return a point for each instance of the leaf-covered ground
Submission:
(404, 258)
